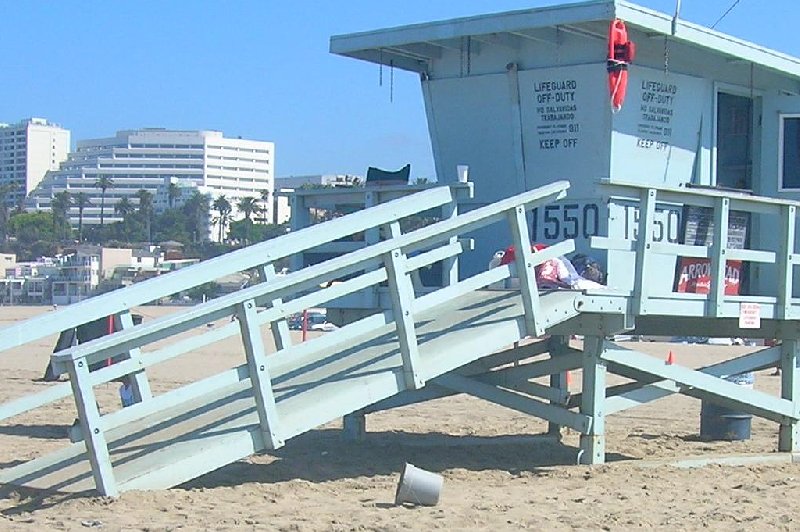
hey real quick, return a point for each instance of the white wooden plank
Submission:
(258, 370)
(94, 437)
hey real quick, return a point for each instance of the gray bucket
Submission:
(418, 486)
(721, 423)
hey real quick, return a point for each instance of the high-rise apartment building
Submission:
(151, 159)
(28, 150)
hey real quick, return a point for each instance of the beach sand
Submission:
(497, 474)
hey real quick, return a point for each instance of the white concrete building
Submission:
(28, 150)
(152, 158)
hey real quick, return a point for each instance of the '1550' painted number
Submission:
(567, 220)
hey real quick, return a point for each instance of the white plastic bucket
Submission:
(418, 486)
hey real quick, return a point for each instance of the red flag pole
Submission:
(110, 321)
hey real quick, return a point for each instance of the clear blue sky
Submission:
(261, 69)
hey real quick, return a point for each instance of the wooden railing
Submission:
(389, 261)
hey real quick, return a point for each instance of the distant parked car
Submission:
(295, 322)
(318, 321)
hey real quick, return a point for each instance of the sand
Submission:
(497, 474)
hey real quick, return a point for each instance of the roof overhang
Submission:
(415, 46)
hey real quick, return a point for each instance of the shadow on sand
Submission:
(322, 455)
(47, 431)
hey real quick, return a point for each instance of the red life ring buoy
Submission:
(620, 54)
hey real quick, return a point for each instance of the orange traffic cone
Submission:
(670, 359)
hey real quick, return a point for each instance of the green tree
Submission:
(145, 198)
(5, 192)
(248, 205)
(29, 227)
(124, 208)
(197, 209)
(241, 230)
(81, 201)
(173, 191)
(60, 205)
(223, 208)
(126, 230)
(171, 225)
(103, 183)
(265, 200)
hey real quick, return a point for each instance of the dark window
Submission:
(790, 155)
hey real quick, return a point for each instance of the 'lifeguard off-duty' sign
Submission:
(560, 125)
(658, 128)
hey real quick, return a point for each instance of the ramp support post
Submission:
(354, 426)
(300, 219)
(784, 261)
(718, 262)
(644, 239)
(558, 345)
(91, 425)
(259, 374)
(450, 265)
(280, 329)
(518, 222)
(139, 382)
(402, 294)
(789, 433)
(593, 441)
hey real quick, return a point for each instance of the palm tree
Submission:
(196, 210)
(103, 183)
(59, 206)
(145, 198)
(173, 191)
(265, 196)
(81, 201)
(224, 208)
(124, 208)
(247, 205)
(5, 191)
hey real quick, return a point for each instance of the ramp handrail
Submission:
(386, 261)
(250, 257)
(259, 255)
(371, 257)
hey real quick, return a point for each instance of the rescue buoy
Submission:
(620, 54)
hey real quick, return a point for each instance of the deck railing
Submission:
(655, 294)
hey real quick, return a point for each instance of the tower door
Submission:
(734, 141)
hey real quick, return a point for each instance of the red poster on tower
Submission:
(695, 276)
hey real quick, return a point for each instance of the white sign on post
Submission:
(749, 316)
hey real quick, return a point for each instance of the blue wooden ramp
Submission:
(428, 332)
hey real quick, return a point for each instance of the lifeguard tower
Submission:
(523, 99)
(687, 194)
